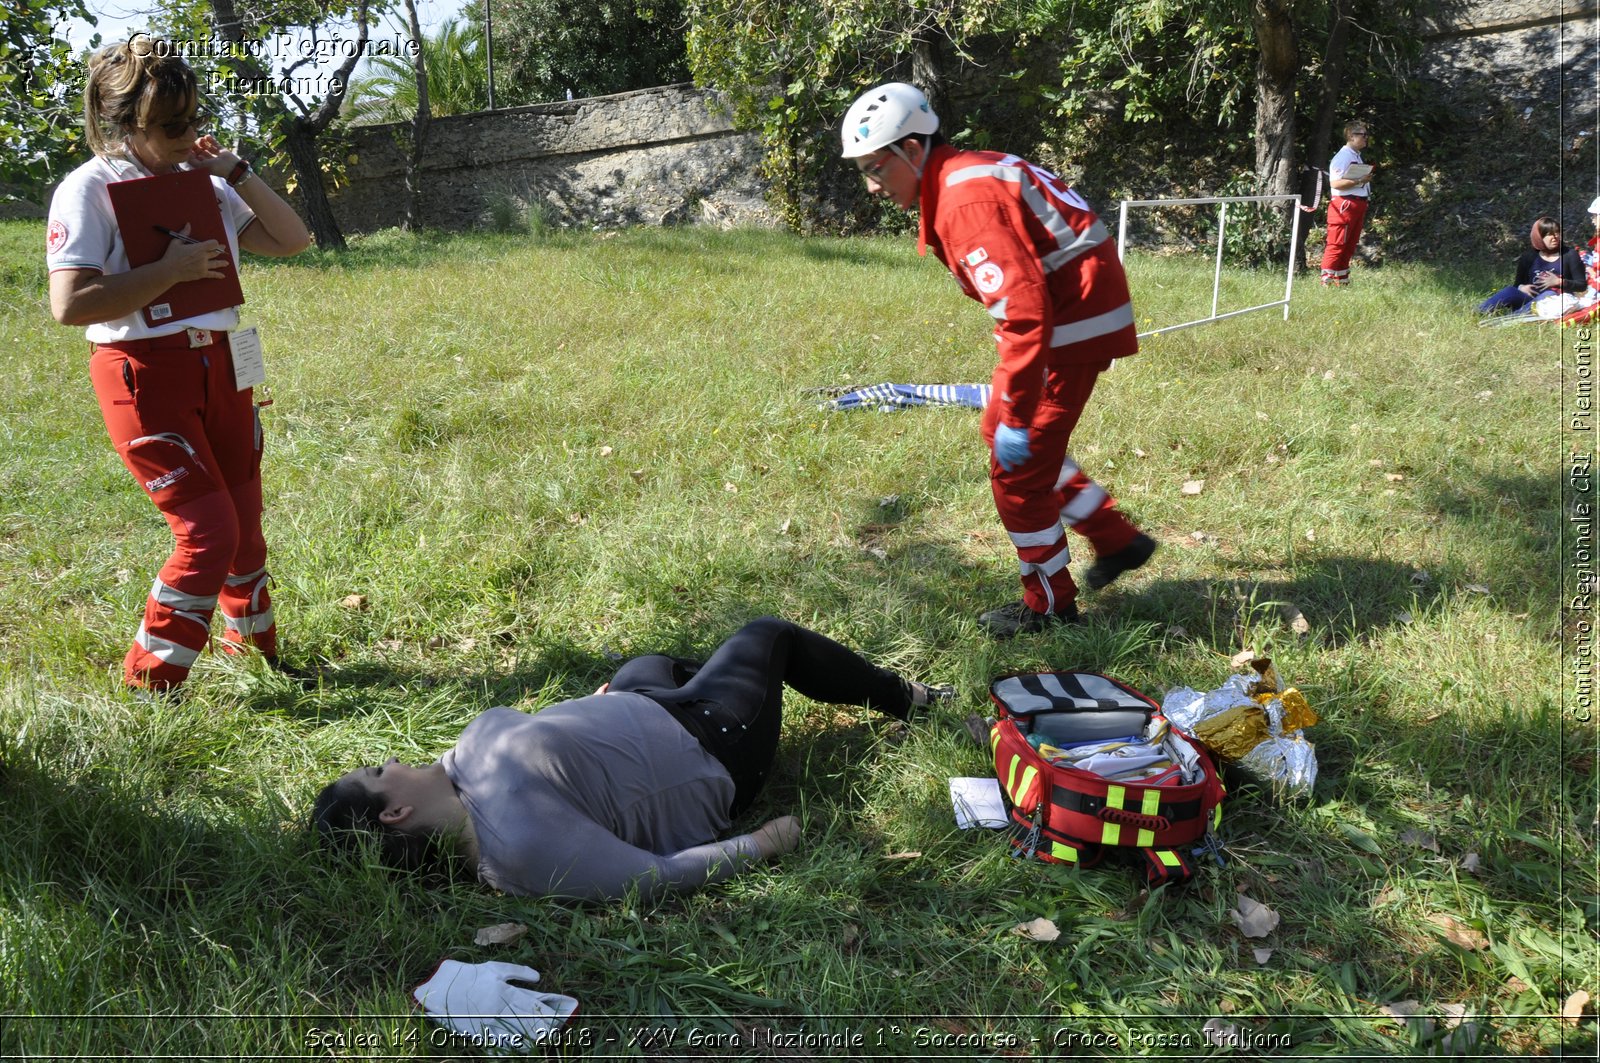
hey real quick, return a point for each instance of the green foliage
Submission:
(41, 85)
(458, 79)
(544, 49)
(790, 68)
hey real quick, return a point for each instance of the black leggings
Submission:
(733, 703)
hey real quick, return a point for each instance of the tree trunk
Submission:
(1333, 63)
(301, 146)
(419, 124)
(927, 73)
(1276, 66)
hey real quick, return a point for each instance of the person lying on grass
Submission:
(628, 788)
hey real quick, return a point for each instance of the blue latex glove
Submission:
(1011, 446)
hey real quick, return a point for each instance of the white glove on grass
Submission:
(480, 1002)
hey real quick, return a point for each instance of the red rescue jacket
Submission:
(1026, 246)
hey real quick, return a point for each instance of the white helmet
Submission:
(883, 116)
(1594, 208)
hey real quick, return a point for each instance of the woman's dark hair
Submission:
(345, 817)
(1545, 226)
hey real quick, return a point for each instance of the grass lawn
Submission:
(496, 463)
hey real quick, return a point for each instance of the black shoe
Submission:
(305, 678)
(923, 695)
(1130, 557)
(1017, 619)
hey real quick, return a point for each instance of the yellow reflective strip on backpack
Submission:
(1145, 838)
(1065, 853)
(1152, 802)
(1216, 817)
(1011, 777)
(1027, 780)
(1168, 857)
(1111, 834)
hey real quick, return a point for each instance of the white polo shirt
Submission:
(1345, 158)
(83, 234)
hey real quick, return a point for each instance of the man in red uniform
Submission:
(1027, 247)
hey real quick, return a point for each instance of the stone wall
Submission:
(654, 156)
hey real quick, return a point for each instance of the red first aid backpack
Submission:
(1065, 815)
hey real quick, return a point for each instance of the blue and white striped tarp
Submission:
(900, 396)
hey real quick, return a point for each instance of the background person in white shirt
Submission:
(189, 436)
(1347, 206)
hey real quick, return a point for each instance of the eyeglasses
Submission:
(874, 171)
(179, 126)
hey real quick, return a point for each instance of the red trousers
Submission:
(1036, 497)
(193, 442)
(1345, 215)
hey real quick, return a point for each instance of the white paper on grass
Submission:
(978, 803)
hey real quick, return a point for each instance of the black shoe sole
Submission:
(1130, 557)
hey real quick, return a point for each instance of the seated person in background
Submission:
(627, 788)
(1549, 266)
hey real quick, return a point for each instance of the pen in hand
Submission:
(175, 236)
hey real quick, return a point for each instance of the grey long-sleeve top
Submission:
(589, 797)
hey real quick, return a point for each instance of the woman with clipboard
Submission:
(171, 383)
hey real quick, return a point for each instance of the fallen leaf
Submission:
(1394, 477)
(1040, 929)
(499, 934)
(887, 500)
(1462, 935)
(637, 474)
(1297, 620)
(1471, 864)
(1262, 956)
(1328, 375)
(1421, 839)
(1243, 658)
(1477, 588)
(1402, 1010)
(354, 601)
(1485, 394)
(390, 644)
(1311, 535)
(1404, 617)
(1138, 453)
(1272, 459)
(606, 452)
(1192, 487)
(467, 645)
(1452, 1014)
(1222, 1034)
(1376, 463)
(1572, 1008)
(731, 487)
(1420, 576)
(783, 529)
(1517, 985)
(1254, 919)
(909, 854)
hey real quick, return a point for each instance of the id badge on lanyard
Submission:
(249, 367)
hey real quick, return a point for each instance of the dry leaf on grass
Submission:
(1222, 1034)
(354, 601)
(908, 854)
(1471, 864)
(1192, 487)
(1040, 929)
(1572, 1009)
(1421, 839)
(1243, 658)
(606, 452)
(499, 934)
(1394, 477)
(1402, 1009)
(1262, 955)
(1297, 620)
(1254, 919)
(1478, 588)
(637, 474)
(1458, 933)
(1404, 617)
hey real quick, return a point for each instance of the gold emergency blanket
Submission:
(1251, 721)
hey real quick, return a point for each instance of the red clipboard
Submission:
(173, 200)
